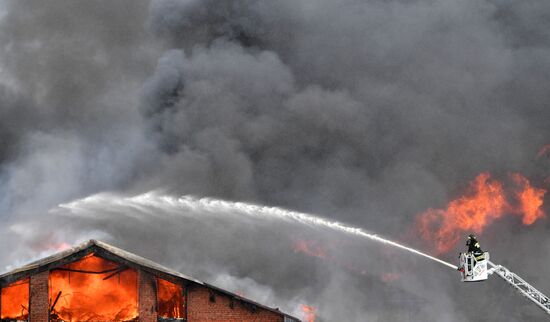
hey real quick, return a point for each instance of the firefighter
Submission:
(473, 244)
(474, 247)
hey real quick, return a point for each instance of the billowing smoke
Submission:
(364, 111)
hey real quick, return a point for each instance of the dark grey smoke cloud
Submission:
(368, 112)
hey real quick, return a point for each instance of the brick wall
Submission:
(147, 297)
(201, 308)
(39, 305)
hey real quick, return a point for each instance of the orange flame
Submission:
(55, 246)
(171, 302)
(543, 151)
(311, 248)
(484, 202)
(310, 313)
(15, 301)
(62, 246)
(390, 277)
(93, 289)
(314, 248)
(530, 199)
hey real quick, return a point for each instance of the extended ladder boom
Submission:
(522, 286)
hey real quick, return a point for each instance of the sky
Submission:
(369, 112)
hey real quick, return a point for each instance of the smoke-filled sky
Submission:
(364, 111)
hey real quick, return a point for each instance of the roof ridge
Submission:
(65, 256)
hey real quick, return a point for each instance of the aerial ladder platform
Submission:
(478, 268)
(521, 286)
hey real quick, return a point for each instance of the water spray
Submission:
(473, 268)
(155, 199)
(524, 288)
(257, 210)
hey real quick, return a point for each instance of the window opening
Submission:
(93, 289)
(171, 300)
(15, 301)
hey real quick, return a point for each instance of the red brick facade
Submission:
(203, 303)
(206, 306)
(147, 297)
(39, 301)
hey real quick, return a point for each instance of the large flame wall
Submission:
(15, 301)
(93, 289)
(486, 200)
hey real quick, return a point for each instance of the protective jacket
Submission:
(473, 246)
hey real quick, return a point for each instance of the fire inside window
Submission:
(93, 289)
(15, 301)
(171, 300)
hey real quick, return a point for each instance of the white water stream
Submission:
(175, 204)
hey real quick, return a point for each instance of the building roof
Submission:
(116, 254)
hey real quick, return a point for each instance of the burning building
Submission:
(99, 282)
